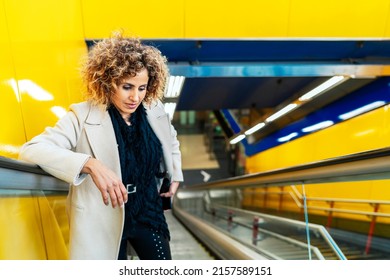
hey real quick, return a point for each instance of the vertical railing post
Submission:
(265, 197)
(330, 215)
(371, 230)
(230, 219)
(280, 199)
(255, 230)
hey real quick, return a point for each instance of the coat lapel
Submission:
(101, 137)
(159, 121)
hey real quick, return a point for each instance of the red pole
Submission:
(371, 230)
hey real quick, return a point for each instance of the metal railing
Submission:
(370, 165)
(297, 197)
(18, 175)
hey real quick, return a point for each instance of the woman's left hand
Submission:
(172, 190)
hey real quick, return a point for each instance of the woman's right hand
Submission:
(108, 183)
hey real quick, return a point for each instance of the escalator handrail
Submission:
(369, 165)
(19, 175)
(9, 163)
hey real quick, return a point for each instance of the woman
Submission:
(114, 149)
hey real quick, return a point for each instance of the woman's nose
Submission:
(133, 96)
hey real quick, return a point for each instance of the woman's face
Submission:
(130, 93)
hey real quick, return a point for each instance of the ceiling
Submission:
(239, 74)
(267, 74)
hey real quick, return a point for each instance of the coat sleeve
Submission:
(177, 173)
(176, 157)
(53, 150)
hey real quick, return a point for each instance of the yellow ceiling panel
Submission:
(247, 19)
(334, 18)
(146, 19)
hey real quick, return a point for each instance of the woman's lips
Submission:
(130, 106)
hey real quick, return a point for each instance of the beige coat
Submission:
(62, 150)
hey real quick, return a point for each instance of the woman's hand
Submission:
(108, 183)
(172, 190)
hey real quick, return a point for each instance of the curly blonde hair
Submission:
(114, 59)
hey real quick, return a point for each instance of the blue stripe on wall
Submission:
(376, 91)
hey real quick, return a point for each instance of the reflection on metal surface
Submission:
(34, 90)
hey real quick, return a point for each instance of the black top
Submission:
(140, 154)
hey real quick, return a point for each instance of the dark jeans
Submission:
(148, 244)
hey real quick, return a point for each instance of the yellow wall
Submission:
(41, 43)
(40, 48)
(11, 123)
(366, 132)
(149, 19)
(245, 19)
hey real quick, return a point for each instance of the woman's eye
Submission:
(126, 87)
(142, 88)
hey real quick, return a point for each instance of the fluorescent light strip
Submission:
(319, 89)
(318, 126)
(362, 110)
(175, 84)
(287, 137)
(168, 91)
(237, 139)
(255, 128)
(281, 112)
(322, 87)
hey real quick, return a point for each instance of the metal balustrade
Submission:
(218, 205)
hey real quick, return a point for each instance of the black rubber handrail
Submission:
(13, 164)
(19, 175)
(373, 164)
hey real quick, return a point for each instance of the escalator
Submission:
(217, 206)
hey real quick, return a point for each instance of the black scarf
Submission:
(140, 153)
